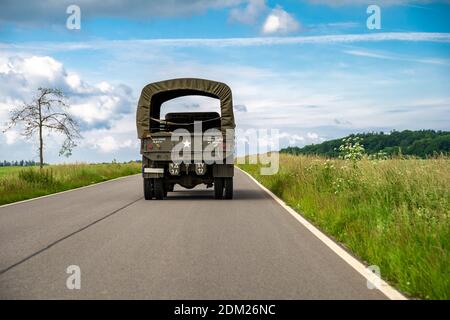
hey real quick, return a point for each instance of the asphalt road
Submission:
(188, 246)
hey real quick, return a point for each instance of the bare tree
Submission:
(48, 111)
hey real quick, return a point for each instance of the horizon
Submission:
(280, 150)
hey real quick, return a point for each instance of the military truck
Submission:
(163, 140)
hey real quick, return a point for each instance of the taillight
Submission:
(149, 146)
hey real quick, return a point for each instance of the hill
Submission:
(420, 143)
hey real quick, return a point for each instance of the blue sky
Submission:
(311, 69)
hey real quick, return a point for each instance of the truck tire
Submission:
(148, 189)
(218, 188)
(158, 189)
(228, 185)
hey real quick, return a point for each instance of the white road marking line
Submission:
(384, 287)
(61, 192)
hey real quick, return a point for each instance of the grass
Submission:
(21, 183)
(391, 213)
(9, 170)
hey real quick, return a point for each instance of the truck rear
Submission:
(186, 148)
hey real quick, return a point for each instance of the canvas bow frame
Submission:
(155, 94)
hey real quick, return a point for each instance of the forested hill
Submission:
(421, 143)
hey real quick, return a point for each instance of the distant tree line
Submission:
(21, 163)
(421, 143)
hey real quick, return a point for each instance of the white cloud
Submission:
(39, 67)
(140, 45)
(386, 56)
(368, 54)
(110, 144)
(11, 136)
(280, 22)
(312, 136)
(293, 139)
(249, 14)
(120, 136)
(332, 28)
(94, 105)
(73, 80)
(104, 86)
(19, 74)
(98, 108)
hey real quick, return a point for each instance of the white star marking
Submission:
(187, 144)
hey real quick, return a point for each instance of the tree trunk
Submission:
(41, 142)
(41, 146)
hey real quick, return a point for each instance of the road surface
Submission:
(189, 246)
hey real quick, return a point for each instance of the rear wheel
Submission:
(228, 185)
(158, 185)
(218, 188)
(148, 188)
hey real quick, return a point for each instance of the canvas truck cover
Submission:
(155, 94)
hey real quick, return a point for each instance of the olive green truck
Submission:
(186, 148)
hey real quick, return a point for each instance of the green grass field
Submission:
(391, 213)
(9, 170)
(20, 183)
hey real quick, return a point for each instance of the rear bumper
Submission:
(161, 170)
(153, 170)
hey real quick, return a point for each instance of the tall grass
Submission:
(25, 183)
(391, 213)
